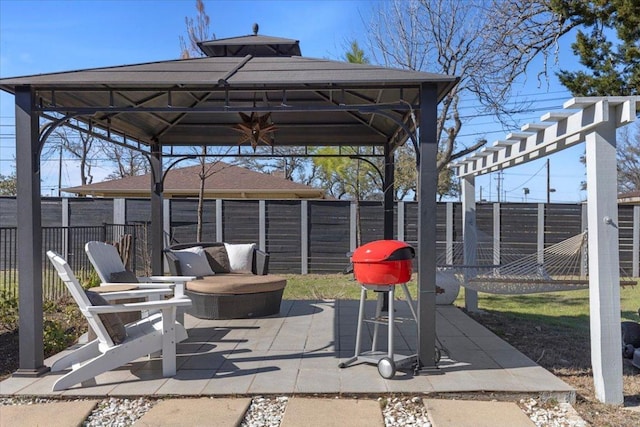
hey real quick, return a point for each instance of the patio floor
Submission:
(299, 351)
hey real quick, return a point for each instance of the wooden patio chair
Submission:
(118, 344)
(110, 268)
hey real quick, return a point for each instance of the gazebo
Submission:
(255, 84)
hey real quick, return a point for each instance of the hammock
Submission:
(556, 268)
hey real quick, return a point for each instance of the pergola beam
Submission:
(557, 131)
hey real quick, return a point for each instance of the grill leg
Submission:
(376, 326)
(363, 299)
(391, 320)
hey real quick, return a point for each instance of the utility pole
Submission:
(499, 178)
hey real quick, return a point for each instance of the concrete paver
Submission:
(310, 412)
(58, 414)
(473, 413)
(203, 412)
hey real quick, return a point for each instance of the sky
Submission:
(44, 36)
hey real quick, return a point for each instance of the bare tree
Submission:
(81, 145)
(629, 159)
(197, 30)
(487, 44)
(127, 162)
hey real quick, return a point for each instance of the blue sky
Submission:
(45, 36)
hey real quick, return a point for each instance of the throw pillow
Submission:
(193, 262)
(111, 321)
(218, 259)
(240, 257)
(123, 277)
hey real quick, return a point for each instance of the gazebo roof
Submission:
(196, 102)
(256, 45)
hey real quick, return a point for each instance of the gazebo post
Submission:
(157, 221)
(427, 191)
(29, 235)
(387, 188)
(604, 276)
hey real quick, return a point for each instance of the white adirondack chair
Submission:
(106, 261)
(158, 332)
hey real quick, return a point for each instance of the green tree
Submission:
(8, 185)
(612, 67)
(356, 55)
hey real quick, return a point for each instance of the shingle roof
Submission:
(226, 181)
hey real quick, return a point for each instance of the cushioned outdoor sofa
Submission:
(232, 280)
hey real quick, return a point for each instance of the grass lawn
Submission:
(569, 308)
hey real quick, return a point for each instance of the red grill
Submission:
(383, 262)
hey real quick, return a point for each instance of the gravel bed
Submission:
(408, 411)
(268, 411)
(265, 412)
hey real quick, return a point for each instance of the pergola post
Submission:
(604, 276)
(387, 189)
(470, 236)
(29, 235)
(427, 189)
(157, 240)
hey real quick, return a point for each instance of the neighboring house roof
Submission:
(226, 182)
(631, 198)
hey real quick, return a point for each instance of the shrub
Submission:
(8, 311)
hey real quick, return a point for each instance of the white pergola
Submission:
(592, 120)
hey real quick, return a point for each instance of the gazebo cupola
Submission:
(253, 44)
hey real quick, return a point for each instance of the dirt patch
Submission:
(565, 352)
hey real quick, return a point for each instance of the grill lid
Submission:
(383, 250)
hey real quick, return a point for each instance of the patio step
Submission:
(55, 414)
(310, 412)
(196, 412)
(474, 413)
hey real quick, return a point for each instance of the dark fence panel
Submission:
(240, 221)
(137, 211)
(625, 238)
(518, 230)
(52, 212)
(328, 236)
(283, 236)
(90, 212)
(561, 221)
(8, 212)
(372, 221)
(484, 221)
(411, 225)
(184, 220)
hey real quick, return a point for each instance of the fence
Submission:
(69, 242)
(306, 236)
